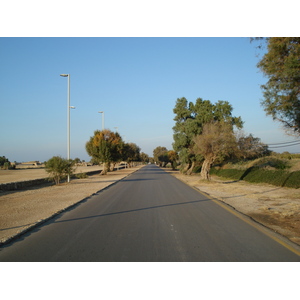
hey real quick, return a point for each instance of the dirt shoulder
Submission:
(24, 209)
(7, 176)
(275, 207)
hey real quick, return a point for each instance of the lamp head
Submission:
(64, 75)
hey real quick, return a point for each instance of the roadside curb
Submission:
(42, 221)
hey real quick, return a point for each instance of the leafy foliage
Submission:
(190, 119)
(105, 146)
(144, 157)
(216, 142)
(4, 162)
(108, 147)
(281, 64)
(250, 147)
(160, 155)
(131, 152)
(269, 170)
(59, 167)
(173, 157)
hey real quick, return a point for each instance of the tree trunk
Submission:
(184, 170)
(112, 167)
(190, 170)
(105, 168)
(206, 168)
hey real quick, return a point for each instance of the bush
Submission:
(293, 180)
(58, 168)
(4, 163)
(256, 175)
(275, 177)
(270, 161)
(234, 174)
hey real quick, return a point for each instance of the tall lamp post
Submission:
(102, 112)
(68, 118)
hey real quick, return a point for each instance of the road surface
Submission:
(148, 216)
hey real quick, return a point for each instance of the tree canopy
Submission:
(190, 119)
(216, 142)
(106, 147)
(281, 64)
(131, 152)
(160, 155)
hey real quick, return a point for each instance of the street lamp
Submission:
(68, 118)
(102, 112)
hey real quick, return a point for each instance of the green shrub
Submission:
(58, 168)
(6, 165)
(258, 175)
(234, 174)
(293, 180)
(197, 169)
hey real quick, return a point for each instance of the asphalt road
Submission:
(148, 216)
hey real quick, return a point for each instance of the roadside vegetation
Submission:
(108, 147)
(270, 169)
(59, 168)
(5, 164)
(208, 139)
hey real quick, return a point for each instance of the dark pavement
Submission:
(148, 216)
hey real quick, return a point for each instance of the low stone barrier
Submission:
(22, 184)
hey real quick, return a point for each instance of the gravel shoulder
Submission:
(23, 209)
(275, 207)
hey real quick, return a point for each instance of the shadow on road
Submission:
(133, 210)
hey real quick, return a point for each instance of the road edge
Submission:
(42, 221)
(274, 235)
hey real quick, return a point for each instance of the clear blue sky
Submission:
(135, 81)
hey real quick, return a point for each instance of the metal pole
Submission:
(68, 105)
(103, 120)
(102, 112)
(68, 119)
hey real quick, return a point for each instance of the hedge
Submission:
(257, 175)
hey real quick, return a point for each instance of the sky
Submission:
(134, 80)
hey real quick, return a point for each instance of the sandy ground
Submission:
(7, 176)
(275, 207)
(23, 209)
